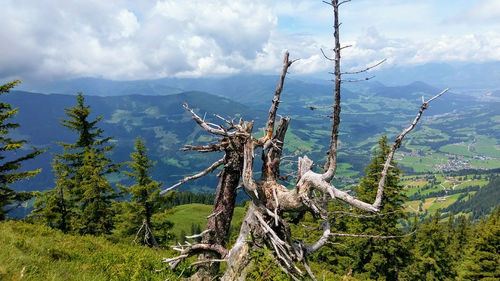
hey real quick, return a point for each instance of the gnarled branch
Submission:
(194, 249)
(209, 127)
(396, 145)
(210, 169)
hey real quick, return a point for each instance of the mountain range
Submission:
(155, 113)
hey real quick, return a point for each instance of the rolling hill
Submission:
(457, 132)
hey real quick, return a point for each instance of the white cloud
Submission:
(123, 40)
(482, 11)
(128, 22)
(126, 39)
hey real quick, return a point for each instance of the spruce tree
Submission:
(433, 259)
(94, 213)
(10, 162)
(459, 234)
(379, 259)
(65, 205)
(53, 205)
(482, 260)
(145, 195)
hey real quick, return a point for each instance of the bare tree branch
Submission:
(396, 145)
(229, 122)
(276, 100)
(206, 148)
(328, 3)
(199, 234)
(345, 47)
(366, 69)
(207, 261)
(211, 128)
(364, 216)
(210, 169)
(343, 2)
(247, 176)
(191, 250)
(324, 55)
(358, 80)
(264, 221)
(214, 214)
(282, 249)
(309, 271)
(372, 236)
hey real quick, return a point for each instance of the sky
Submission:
(129, 40)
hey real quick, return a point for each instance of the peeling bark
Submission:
(225, 199)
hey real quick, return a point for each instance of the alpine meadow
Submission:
(266, 140)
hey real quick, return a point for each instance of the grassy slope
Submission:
(35, 252)
(185, 215)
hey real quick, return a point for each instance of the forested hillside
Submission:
(450, 139)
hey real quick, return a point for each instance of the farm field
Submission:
(428, 193)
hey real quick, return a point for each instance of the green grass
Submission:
(485, 164)
(482, 146)
(431, 204)
(447, 184)
(427, 134)
(173, 162)
(345, 170)
(184, 216)
(468, 183)
(441, 205)
(496, 122)
(36, 252)
(436, 188)
(487, 146)
(124, 116)
(412, 145)
(457, 149)
(412, 186)
(423, 163)
(294, 143)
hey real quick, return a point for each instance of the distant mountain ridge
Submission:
(477, 75)
(160, 120)
(369, 110)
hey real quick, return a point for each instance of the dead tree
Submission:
(233, 136)
(264, 220)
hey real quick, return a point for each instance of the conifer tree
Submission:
(145, 194)
(482, 261)
(64, 206)
(462, 235)
(459, 234)
(10, 162)
(379, 259)
(52, 206)
(432, 257)
(94, 213)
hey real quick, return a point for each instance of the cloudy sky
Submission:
(128, 39)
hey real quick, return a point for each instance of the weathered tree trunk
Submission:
(219, 222)
(238, 259)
